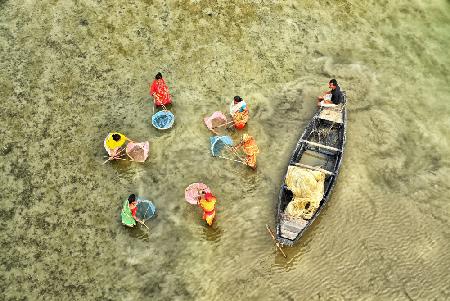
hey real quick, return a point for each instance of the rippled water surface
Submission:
(72, 71)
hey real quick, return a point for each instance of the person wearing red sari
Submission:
(160, 91)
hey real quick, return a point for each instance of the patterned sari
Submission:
(160, 92)
(239, 111)
(250, 149)
(208, 204)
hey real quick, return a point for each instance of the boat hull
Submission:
(320, 147)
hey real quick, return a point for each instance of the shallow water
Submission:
(73, 71)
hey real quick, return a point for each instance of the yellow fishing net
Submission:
(307, 187)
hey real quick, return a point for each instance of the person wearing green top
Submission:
(129, 210)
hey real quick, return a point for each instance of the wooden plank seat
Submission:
(291, 228)
(321, 145)
(315, 168)
(333, 114)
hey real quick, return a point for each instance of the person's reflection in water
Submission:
(213, 233)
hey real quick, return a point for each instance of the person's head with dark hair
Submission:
(332, 84)
(237, 99)
(116, 137)
(201, 195)
(158, 75)
(131, 198)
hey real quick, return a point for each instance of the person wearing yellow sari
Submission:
(207, 201)
(114, 144)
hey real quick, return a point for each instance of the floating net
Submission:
(218, 143)
(192, 192)
(163, 120)
(146, 210)
(217, 119)
(138, 151)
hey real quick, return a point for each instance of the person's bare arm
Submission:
(321, 97)
(138, 220)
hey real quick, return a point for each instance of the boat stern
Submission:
(288, 231)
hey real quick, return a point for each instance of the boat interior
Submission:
(319, 149)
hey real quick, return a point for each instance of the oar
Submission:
(276, 242)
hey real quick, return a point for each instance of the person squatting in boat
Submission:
(332, 97)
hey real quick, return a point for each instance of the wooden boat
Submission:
(320, 148)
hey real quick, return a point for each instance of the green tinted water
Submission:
(72, 71)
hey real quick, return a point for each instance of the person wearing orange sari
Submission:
(160, 91)
(249, 147)
(239, 112)
(207, 201)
